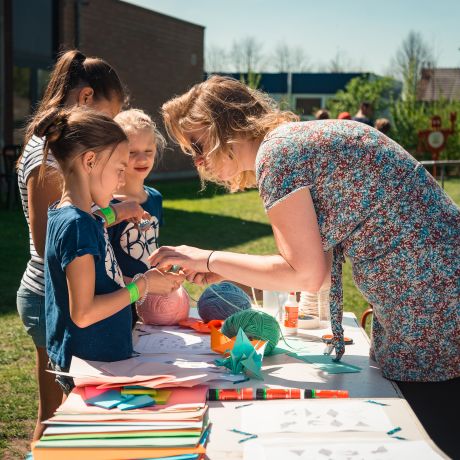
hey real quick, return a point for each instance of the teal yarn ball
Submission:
(219, 301)
(256, 325)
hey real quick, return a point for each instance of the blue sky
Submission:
(366, 34)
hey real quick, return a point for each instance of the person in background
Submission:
(383, 125)
(364, 114)
(322, 114)
(344, 116)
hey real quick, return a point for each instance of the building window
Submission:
(307, 105)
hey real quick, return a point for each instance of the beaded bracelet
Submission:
(142, 299)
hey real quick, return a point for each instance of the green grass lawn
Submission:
(209, 219)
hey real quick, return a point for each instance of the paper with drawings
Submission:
(173, 341)
(314, 417)
(354, 449)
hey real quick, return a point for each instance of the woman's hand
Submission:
(163, 283)
(190, 259)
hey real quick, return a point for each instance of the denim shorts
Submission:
(66, 383)
(31, 309)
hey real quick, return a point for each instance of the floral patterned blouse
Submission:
(376, 205)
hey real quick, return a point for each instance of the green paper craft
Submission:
(244, 358)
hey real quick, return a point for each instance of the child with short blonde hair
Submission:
(133, 245)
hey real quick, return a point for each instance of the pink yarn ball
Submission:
(165, 310)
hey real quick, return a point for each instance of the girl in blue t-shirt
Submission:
(86, 301)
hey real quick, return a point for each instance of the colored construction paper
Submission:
(109, 399)
(160, 396)
(95, 453)
(180, 399)
(136, 402)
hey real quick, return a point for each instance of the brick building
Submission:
(156, 56)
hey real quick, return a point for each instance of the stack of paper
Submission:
(176, 427)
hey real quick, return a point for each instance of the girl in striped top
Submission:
(75, 81)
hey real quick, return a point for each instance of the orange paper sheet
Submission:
(119, 453)
(222, 344)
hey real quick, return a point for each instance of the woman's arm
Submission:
(41, 194)
(87, 308)
(301, 264)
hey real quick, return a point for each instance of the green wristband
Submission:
(133, 292)
(109, 215)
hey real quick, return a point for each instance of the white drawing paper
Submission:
(356, 449)
(314, 417)
(173, 341)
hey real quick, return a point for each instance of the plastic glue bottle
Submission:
(291, 315)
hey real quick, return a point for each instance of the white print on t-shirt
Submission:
(111, 265)
(139, 244)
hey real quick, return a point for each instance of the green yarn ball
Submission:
(256, 325)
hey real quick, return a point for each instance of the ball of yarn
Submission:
(219, 301)
(256, 325)
(165, 310)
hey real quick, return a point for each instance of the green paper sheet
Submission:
(179, 441)
(144, 434)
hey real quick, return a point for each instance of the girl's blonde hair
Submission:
(134, 120)
(228, 110)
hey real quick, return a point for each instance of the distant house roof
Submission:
(439, 83)
(302, 83)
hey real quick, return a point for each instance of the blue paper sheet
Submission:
(108, 399)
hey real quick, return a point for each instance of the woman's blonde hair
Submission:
(228, 110)
(134, 120)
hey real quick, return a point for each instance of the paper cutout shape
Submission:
(136, 402)
(109, 399)
(200, 326)
(160, 396)
(223, 345)
(245, 356)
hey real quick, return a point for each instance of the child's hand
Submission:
(129, 210)
(163, 283)
(145, 217)
(203, 278)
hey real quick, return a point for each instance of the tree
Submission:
(286, 58)
(409, 116)
(413, 55)
(246, 55)
(377, 91)
(215, 59)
